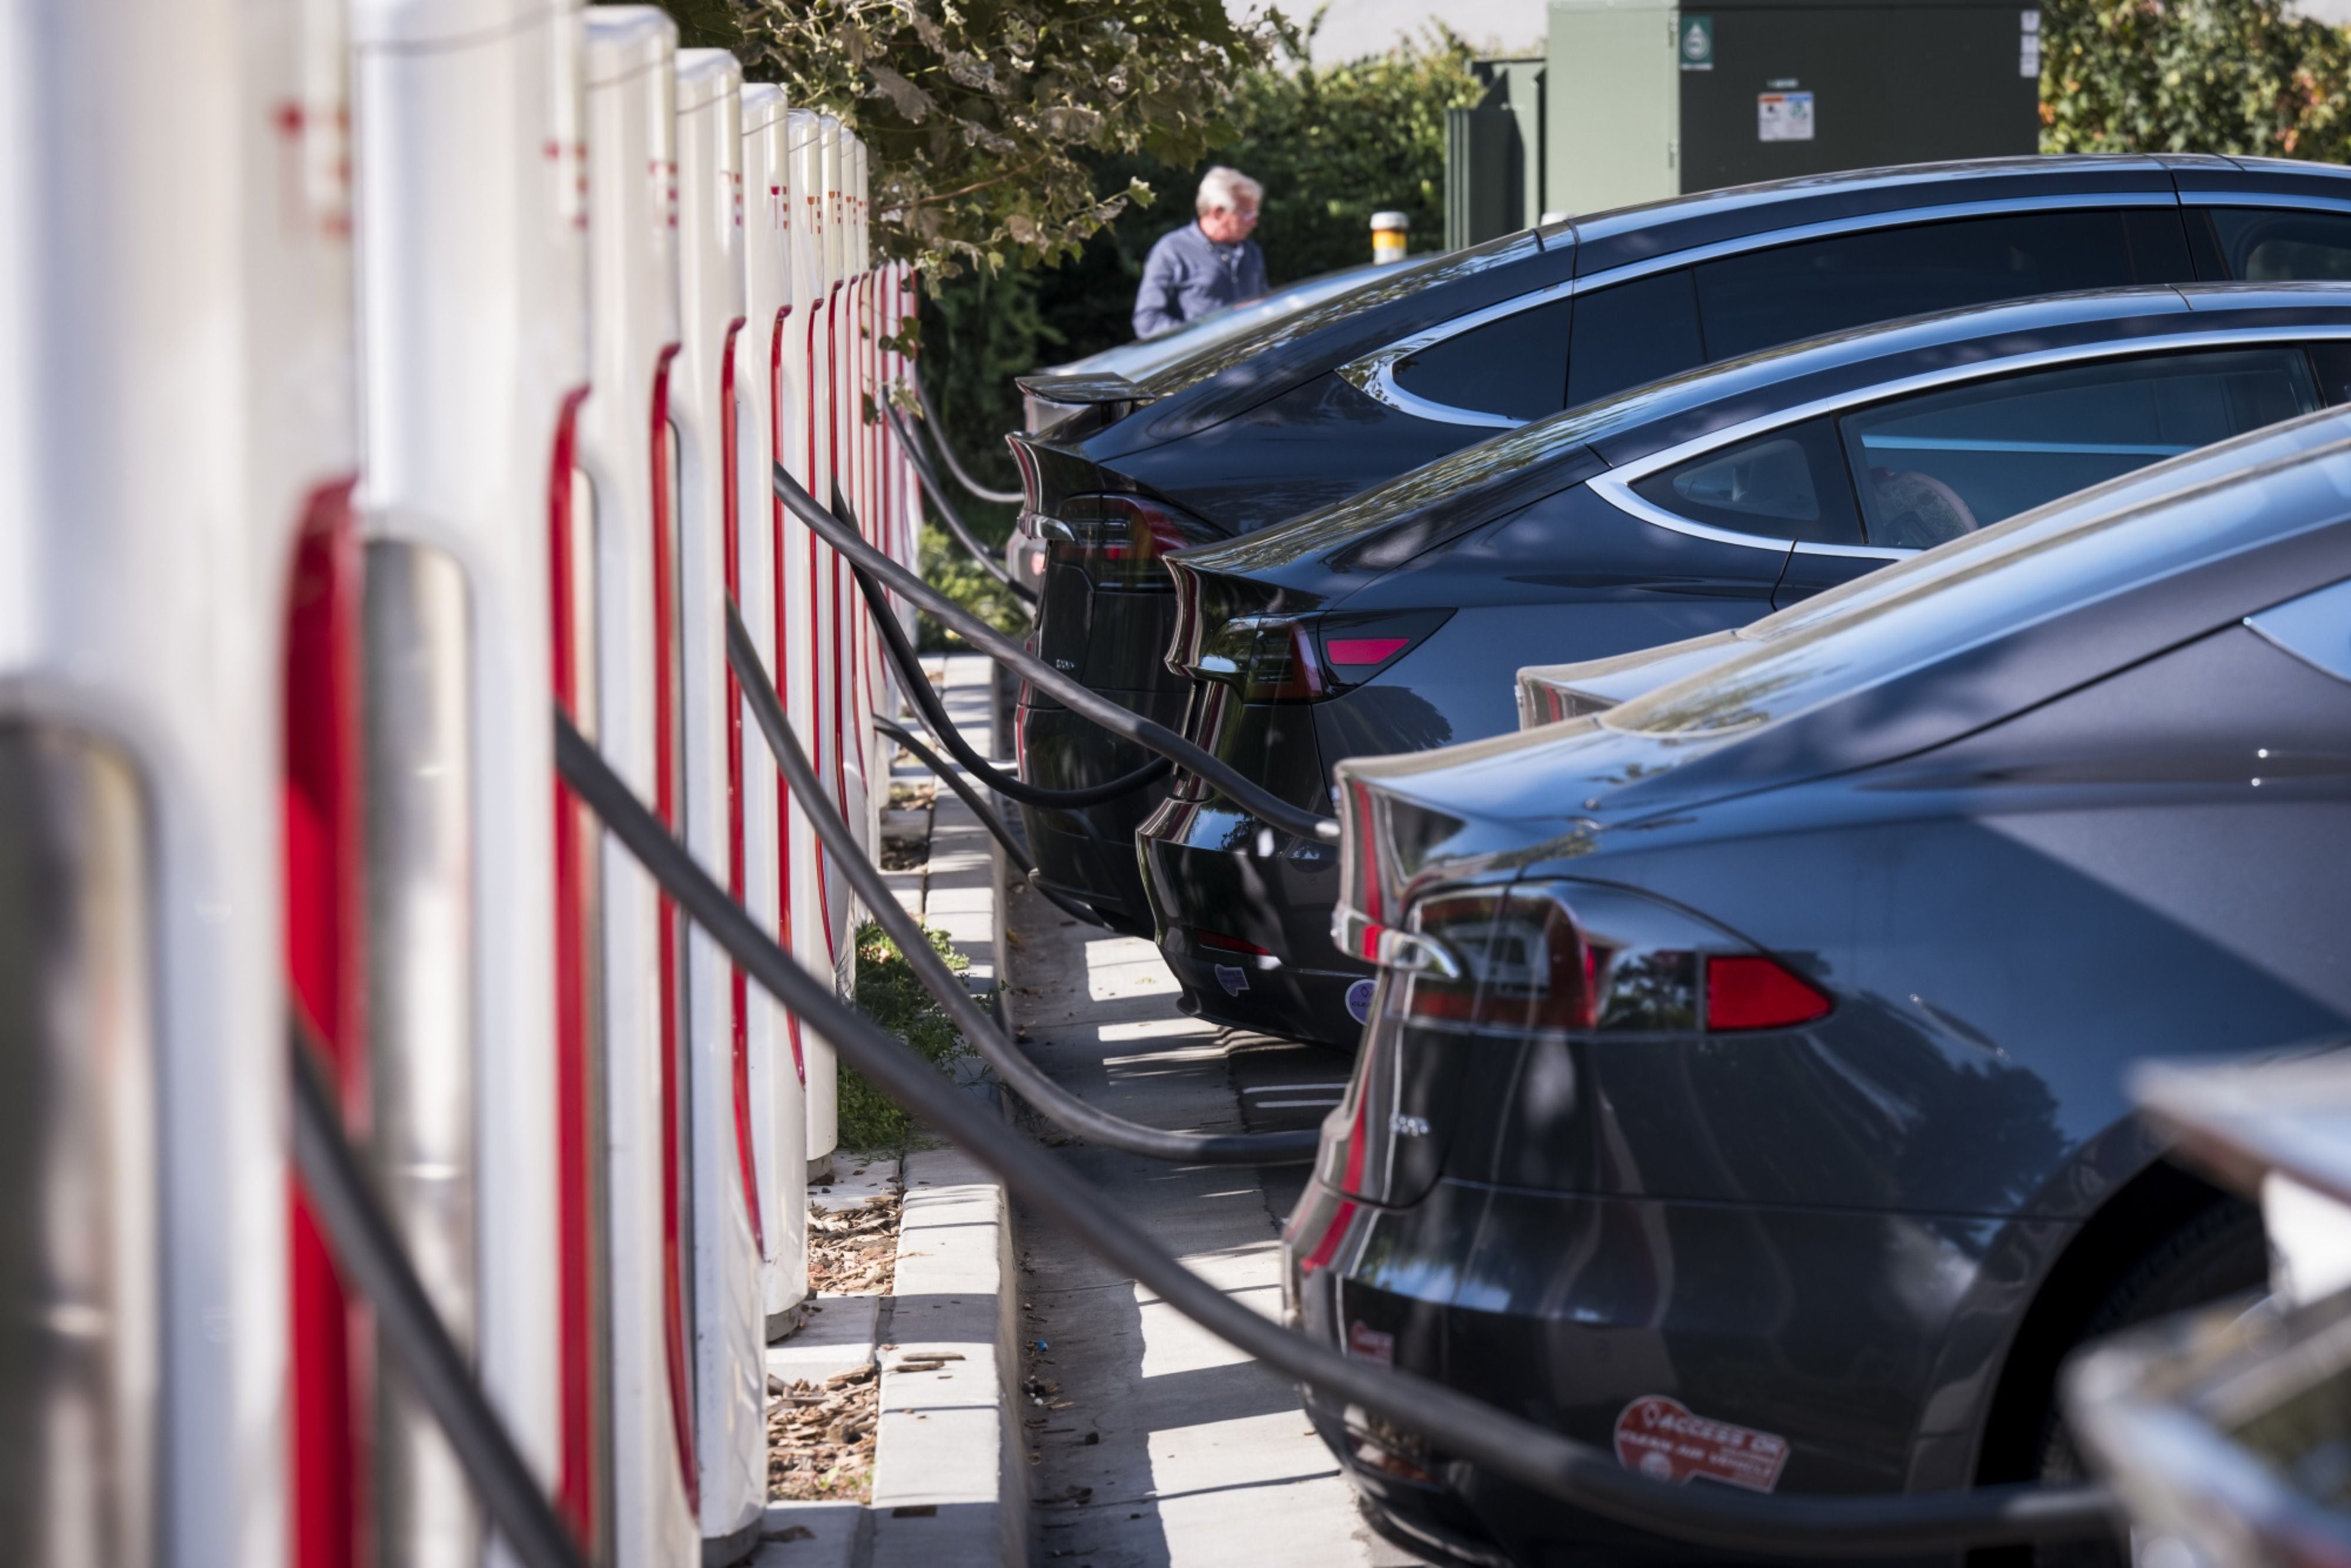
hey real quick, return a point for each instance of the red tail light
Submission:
(1301, 658)
(1120, 541)
(1216, 941)
(1362, 916)
(1754, 992)
(1582, 959)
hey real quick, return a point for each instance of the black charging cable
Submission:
(368, 1253)
(1012, 1063)
(951, 519)
(934, 718)
(1251, 796)
(946, 450)
(1465, 1428)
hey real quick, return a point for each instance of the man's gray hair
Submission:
(1226, 188)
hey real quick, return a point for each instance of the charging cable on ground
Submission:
(949, 517)
(934, 718)
(1533, 1455)
(1014, 851)
(368, 1254)
(946, 450)
(1024, 1077)
(1245, 792)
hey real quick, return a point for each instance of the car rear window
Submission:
(1934, 467)
(1765, 297)
(2159, 521)
(1788, 484)
(2269, 246)
(1515, 367)
(1632, 333)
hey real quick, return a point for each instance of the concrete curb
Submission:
(950, 1480)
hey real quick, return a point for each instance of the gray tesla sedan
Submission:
(1744, 1081)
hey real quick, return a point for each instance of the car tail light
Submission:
(1543, 701)
(1755, 992)
(1304, 657)
(1218, 942)
(1583, 959)
(1120, 541)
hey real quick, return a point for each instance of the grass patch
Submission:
(889, 993)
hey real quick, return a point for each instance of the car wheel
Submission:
(2220, 1252)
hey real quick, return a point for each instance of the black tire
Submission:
(2219, 1252)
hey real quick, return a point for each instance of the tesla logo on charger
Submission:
(1371, 1344)
(1659, 1437)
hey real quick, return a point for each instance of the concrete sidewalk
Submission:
(1158, 1445)
(950, 1478)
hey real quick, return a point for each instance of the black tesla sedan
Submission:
(1433, 355)
(1395, 621)
(1744, 1087)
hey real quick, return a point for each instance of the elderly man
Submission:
(1209, 262)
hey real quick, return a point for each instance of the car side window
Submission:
(1515, 366)
(2270, 246)
(1934, 466)
(1765, 298)
(1789, 484)
(1632, 333)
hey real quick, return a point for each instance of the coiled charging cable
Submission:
(934, 718)
(1025, 1077)
(1248, 793)
(1464, 1428)
(946, 450)
(949, 517)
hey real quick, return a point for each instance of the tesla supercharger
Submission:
(470, 232)
(705, 401)
(779, 1115)
(831, 934)
(849, 729)
(629, 448)
(865, 408)
(802, 409)
(176, 337)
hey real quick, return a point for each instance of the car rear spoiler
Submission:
(1071, 406)
(1550, 693)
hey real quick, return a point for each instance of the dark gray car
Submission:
(1744, 1087)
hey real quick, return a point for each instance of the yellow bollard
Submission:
(1388, 230)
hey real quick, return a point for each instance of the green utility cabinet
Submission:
(1632, 101)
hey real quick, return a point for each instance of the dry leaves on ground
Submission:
(820, 1437)
(854, 1252)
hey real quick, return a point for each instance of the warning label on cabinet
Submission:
(1659, 1437)
(1783, 116)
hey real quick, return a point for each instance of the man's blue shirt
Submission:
(1188, 274)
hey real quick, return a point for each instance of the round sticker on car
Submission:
(1359, 1001)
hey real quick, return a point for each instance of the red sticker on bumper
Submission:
(1660, 1438)
(1371, 1344)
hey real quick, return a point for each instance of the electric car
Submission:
(1744, 1089)
(1395, 621)
(1435, 354)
